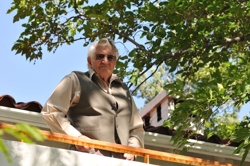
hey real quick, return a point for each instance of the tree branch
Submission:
(225, 42)
(146, 78)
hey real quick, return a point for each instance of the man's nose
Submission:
(105, 59)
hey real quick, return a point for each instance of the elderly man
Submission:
(97, 104)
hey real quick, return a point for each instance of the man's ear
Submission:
(89, 61)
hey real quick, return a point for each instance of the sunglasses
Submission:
(110, 58)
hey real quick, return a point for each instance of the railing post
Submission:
(146, 158)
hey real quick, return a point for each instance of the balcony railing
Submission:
(145, 153)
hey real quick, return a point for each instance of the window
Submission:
(147, 120)
(159, 113)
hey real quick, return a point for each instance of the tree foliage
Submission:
(22, 132)
(149, 88)
(204, 43)
(222, 125)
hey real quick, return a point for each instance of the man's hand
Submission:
(130, 157)
(83, 148)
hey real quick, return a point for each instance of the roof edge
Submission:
(14, 115)
(153, 103)
(200, 147)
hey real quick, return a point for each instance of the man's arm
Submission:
(66, 94)
(136, 133)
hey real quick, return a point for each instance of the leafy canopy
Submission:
(204, 43)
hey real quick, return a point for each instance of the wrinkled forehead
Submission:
(107, 49)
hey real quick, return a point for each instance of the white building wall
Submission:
(164, 114)
(23, 154)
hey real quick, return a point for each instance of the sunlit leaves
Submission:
(220, 87)
(223, 125)
(3, 147)
(242, 135)
(22, 132)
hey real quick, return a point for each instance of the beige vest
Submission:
(98, 115)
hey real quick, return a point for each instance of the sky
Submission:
(29, 81)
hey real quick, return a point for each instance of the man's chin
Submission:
(105, 69)
(105, 72)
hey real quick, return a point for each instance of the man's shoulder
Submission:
(80, 73)
(115, 78)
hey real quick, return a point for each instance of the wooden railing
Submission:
(146, 153)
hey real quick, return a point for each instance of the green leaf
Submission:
(32, 131)
(241, 134)
(169, 86)
(5, 151)
(209, 135)
(244, 157)
(149, 36)
(238, 149)
(145, 28)
(25, 132)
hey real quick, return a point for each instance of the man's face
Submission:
(102, 62)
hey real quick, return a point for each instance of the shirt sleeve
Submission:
(136, 136)
(65, 95)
